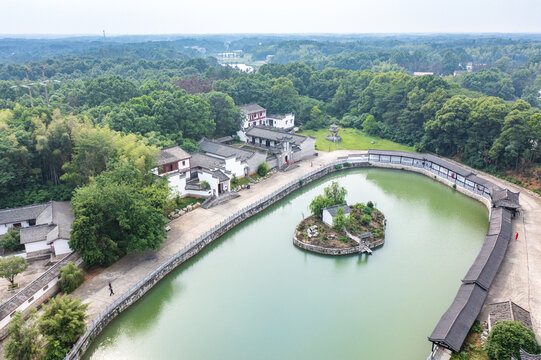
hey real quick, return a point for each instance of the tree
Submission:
(263, 169)
(11, 240)
(23, 341)
(10, 266)
(507, 338)
(319, 203)
(332, 195)
(70, 277)
(226, 115)
(340, 220)
(335, 193)
(115, 216)
(63, 321)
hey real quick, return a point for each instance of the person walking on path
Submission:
(111, 290)
(516, 236)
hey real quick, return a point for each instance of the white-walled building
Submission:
(285, 148)
(174, 163)
(284, 122)
(240, 162)
(211, 170)
(330, 212)
(45, 228)
(254, 115)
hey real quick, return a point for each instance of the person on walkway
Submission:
(111, 290)
(516, 236)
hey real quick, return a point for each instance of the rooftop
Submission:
(251, 108)
(508, 311)
(279, 117)
(266, 133)
(506, 198)
(171, 154)
(333, 210)
(223, 150)
(24, 213)
(56, 216)
(206, 162)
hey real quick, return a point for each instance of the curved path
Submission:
(519, 278)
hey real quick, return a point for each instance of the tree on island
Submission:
(333, 194)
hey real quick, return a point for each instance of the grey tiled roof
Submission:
(171, 154)
(35, 233)
(220, 175)
(333, 210)
(509, 311)
(488, 261)
(15, 215)
(224, 150)
(456, 322)
(525, 356)
(205, 161)
(251, 108)
(269, 134)
(506, 198)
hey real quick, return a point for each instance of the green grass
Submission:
(353, 139)
(242, 181)
(181, 203)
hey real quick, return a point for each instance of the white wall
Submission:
(287, 122)
(61, 246)
(234, 166)
(177, 184)
(36, 246)
(4, 227)
(213, 182)
(327, 218)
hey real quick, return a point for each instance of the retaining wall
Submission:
(139, 289)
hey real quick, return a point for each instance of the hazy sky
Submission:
(268, 16)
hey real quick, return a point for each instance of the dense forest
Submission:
(122, 101)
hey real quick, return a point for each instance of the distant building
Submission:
(254, 115)
(539, 97)
(44, 228)
(422, 73)
(329, 213)
(241, 67)
(285, 122)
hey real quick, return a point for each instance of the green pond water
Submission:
(253, 295)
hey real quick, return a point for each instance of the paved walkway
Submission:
(519, 278)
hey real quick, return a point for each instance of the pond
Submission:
(253, 295)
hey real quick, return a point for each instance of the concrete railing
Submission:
(193, 248)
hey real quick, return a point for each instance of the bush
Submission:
(370, 204)
(367, 210)
(234, 180)
(204, 185)
(507, 338)
(338, 166)
(263, 169)
(11, 240)
(70, 277)
(365, 219)
(346, 164)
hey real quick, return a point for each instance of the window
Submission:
(45, 287)
(32, 222)
(17, 225)
(183, 162)
(30, 300)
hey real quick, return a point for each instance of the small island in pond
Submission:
(335, 228)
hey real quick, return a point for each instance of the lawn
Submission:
(353, 139)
